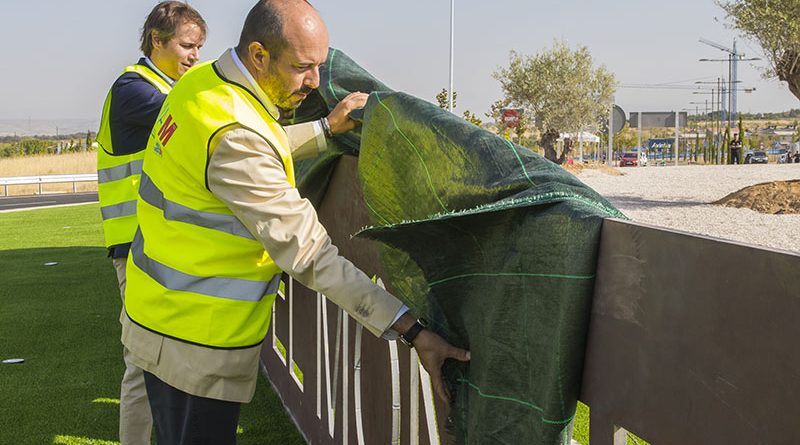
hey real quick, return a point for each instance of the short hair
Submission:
(164, 19)
(264, 24)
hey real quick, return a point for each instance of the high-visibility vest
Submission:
(118, 175)
(195, 273)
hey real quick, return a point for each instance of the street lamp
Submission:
(452, 41)
(734, 57)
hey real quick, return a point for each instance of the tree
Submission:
(561, 89)
(522, 127)
(726, 146)
(696, 144)
(471, 118)
(773, 24)
(443, 99)
(495, 113)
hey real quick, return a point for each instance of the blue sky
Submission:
(61, 57)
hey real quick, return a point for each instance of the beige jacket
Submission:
(246, 174)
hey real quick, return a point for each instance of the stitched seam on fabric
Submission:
(521, 164)
(542, 199)
(511, 274)
(375, 211)
(520, 402)
(330, 75)
(416, 151)
(514, 202)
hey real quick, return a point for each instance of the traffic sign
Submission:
(619, 119)
(510, 117)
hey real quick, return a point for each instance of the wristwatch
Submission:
(413, 331)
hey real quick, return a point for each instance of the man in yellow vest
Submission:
(220, 219)
(171, 39)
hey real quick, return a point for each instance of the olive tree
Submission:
(561, 88)
(775, 26)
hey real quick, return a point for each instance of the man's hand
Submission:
(433, 351)
(339, 120)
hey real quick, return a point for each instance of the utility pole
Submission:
(720, 93)
(714, 125)
(676, 145)
(610, 150)
(639, 133)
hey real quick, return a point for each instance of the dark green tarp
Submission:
(494, 244)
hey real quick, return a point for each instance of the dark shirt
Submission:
(135, 104)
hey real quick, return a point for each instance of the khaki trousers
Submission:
(135, 418)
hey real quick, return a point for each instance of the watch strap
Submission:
(412, 332)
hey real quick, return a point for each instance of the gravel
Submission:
(680, 198)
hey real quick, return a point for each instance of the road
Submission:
(27, 202)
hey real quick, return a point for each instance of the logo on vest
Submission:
(167, 130)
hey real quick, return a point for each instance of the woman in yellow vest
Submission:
(220, 219)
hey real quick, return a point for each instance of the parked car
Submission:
(629, 159)
(756, 157)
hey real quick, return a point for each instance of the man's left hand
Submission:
(433, 351)
(339, 119)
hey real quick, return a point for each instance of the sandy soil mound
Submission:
(603, 168)
(776, 197)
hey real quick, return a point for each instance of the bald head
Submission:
(283, 44)
(277, 24)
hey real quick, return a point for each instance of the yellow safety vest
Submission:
(118, 175)
(195, 273)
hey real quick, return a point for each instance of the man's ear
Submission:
(155, 40)
(259, 56)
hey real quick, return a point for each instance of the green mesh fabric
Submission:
(492, 243)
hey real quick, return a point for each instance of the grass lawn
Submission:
(63, 320)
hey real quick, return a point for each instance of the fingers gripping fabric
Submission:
(494, 244)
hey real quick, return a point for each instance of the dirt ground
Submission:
(603, 168)
(778, 197)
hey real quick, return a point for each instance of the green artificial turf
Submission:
(63, 320)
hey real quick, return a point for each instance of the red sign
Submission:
(510, 116)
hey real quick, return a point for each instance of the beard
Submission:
(280, 95)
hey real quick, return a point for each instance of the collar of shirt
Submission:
(170, 81)
(233, 69)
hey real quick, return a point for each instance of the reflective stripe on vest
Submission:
(195, 272)
(120, 172)
(119, 210)
(118, 175)
(173, 279)
(173, 211)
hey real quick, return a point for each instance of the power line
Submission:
(659, 86)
